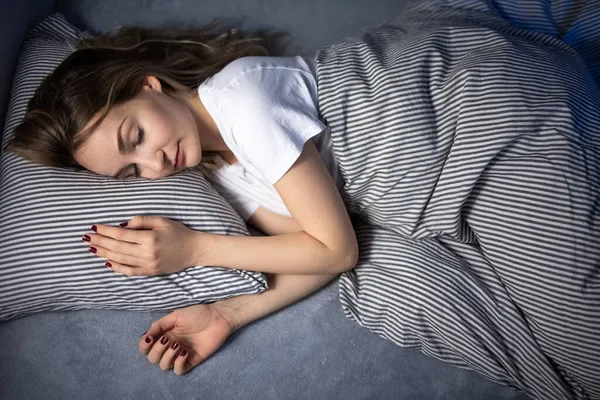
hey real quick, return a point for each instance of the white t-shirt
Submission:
(266, 110)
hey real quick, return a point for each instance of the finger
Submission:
(158, 349)
(181, 363)
(146, 343)
(144, 222)
(127, 234)
(116, 246)
(127, 269)
(157, 329)
(121, 262)
(167, 360)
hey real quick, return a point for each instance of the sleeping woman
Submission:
(467, 155)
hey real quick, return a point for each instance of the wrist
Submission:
(232, 310)
(199, 245)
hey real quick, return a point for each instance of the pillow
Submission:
(44, 264)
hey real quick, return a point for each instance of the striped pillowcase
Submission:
(44, 264)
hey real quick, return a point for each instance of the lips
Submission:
(176, 156)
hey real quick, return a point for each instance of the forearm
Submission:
(283, 291)
(292, 253)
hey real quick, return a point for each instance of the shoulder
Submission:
(250, 71)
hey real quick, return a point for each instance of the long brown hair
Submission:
(109, 69)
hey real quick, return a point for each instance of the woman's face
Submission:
(144, 136)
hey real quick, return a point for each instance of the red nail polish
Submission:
(94, 228)
(175, 346)
(92, 249)
(86, 238)
(108, 264)
(164, 340)
(123, 224)
(183, 353)
(147, 340)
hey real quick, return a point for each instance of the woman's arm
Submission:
(283, 289)
(326, 245)
(271, 223)
(211, 324)
(292, 253)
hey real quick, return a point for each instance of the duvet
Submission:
(468, 136)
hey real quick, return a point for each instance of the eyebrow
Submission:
(121, 146)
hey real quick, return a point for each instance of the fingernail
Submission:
(94, 228)
(92, 249)
(108, 264)
(183, 353)
(147, 340)
(175, 346)
(123, 224)
(86, 238)
(164, 340)
(144, 333)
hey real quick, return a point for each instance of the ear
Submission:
(152, 83)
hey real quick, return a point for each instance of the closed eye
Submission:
(139, 142)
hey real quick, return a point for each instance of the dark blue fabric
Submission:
(312, 23)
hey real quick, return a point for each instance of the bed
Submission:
(308, 350)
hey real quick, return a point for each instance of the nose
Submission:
(156, 165)
(161, 160)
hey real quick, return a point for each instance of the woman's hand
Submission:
(148, 246)
(196, 332)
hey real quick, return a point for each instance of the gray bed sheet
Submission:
(308, 350)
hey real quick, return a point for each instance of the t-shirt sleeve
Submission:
(277, 115)
(243, 205)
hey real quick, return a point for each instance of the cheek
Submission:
(178, 124)
(160, 126)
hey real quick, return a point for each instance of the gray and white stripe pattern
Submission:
(44, 264)
(470, 151)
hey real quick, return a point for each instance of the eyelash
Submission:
(140, 139)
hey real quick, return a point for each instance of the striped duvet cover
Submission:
(468, 137)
